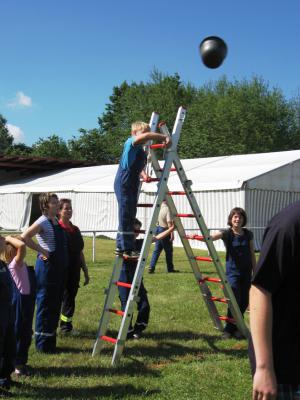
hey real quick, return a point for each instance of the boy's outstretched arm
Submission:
(164, 234)
(145, 137)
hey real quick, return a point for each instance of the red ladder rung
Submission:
(123, 284)
(199, 258)
(144, 205)
(140, 231)
(158, 146)
(219, 299)
(114, 311)
(227, 319)
(171, 170)
(185, 215)
(149, 180)
(194, 237)
(176, 193)
(108, 339)
(208, 279)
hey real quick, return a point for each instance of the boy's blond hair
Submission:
(9, 250)
(140, 126)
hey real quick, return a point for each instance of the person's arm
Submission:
(253, 258)
(84, 269)
(164, 234)
(28, 235)
(145, 137)
(21, 249)
(214, 236)
(264, 381)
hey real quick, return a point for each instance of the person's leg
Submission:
(23, 329)
(69, 296)
(157, 250)
(143, 310)
(234, 282)
(126, 277)
(8, 354)
(168, 248)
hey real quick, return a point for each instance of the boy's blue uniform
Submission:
(238, 269)
(24, 310)
(143, 306)
(50, 281)
(126, 188)
(7, 320)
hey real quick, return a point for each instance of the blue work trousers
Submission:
(165, 244)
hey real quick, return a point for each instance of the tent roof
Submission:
(213, 173)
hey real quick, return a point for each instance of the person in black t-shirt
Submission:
(274, 310)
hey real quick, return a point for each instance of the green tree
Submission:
(53, 146)
(19, 149)
(6, 139)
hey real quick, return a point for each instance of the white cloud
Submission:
(20, 100)
(16, 132)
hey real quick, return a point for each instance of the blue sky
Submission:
(60, 59)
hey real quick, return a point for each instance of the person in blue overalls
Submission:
(50, 270)
(127, 180)
(240, 262)
(127, 274)
(7, 320)
(23, 299)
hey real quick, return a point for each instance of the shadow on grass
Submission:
(132, 369)
(94, 392)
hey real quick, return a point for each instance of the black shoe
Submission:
(118, 252)
(173, 271)
(238, 335)
(151, 271)
(130, 335)
(131, 255)
(226, 335)
(137, 335)
(22, 371)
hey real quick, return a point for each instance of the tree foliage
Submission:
(6, 139)
(53, 146)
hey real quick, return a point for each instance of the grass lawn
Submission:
(181, 355)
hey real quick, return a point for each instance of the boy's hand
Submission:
(168, 141)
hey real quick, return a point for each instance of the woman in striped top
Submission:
(50, 270)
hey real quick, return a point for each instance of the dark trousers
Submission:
(143, 306)
(126, 193)
(7, 345)
(240, 285)
(165, 244)
(69, 296)
(50, 286)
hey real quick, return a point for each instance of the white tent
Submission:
(260, 183)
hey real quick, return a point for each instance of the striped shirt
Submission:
(45, 238)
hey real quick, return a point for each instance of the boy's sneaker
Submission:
(137, 335)
(151, 271)
(131, 255)
(118, 252)
(22, 370)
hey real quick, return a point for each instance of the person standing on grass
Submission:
(165, 221)
(127, 182)
(240, 262)
(50, 270)
(7, 321)
(274, 310)
(127, 274)
(76, 263)
(23, 299)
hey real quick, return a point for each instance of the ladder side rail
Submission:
(137, 279)
(204, 289)
(234, 308)
(109, 300)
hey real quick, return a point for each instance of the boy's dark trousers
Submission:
(24, 310)
(126, 275)
(165, 244)
(70, 292)
(240, 285)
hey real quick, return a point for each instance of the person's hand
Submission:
(146, 178)
(264, 385)
(172, 237)
(168, 141)
(45, 254)
(86, 276)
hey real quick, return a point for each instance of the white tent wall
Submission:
(262, 205)
(15, 210)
